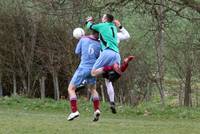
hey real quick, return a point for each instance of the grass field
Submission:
(23, 119)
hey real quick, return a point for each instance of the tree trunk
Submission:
(197, 97)
(187, 96)
(1, 88)
(29, 83)
(56, 86)
(181, 94)
(42, 87)
(32, 53)
(160, 50)
(24, 86)
(102, 93)
(121, 96)
(14, 84)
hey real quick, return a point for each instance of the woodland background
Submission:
(37, 48)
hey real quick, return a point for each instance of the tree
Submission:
(159, 41)
(1, 88)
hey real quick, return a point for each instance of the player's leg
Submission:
(73, 103)
(77, 78)
(98, 67)
(115, 73)
(112, 75)
(110, 90)
(95, 97)
(111, 94)
(124, 65)
(100, 71)
(107, 58)
(97, 72)
(81, 86)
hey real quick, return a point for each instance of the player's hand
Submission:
(117, 23)
(89, 18)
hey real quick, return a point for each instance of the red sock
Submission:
(73, 102)
(96, 103)
(107, 68)
(126, 61)
(124, 67)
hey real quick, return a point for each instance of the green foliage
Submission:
(53, 50)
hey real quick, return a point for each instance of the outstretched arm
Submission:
(91, 25)
(123, 33)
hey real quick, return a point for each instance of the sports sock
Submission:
(110, 90)
(124, 65)
(96, 102)
(107, 68)
(73, 102)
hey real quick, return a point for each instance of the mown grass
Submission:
(20, 115)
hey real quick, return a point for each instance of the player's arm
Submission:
(78, 48)
(91, 25)
(123, 34)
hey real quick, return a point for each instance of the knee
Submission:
(92, 89)
(71, 88)
(94, 92)
(93, 73)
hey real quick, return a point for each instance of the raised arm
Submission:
(94, 26)
(123, 34)
(91, 25)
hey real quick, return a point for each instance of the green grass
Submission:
(34, 116)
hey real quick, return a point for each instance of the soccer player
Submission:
(88, 48)
(121, 35)
(109, 47)
(110, 51)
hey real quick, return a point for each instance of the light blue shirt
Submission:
(89, 50)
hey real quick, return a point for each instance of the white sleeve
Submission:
(123, 34)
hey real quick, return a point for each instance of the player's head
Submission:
(95, 34)
(107, 18)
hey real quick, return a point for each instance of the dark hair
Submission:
(95, 32)
(109, 17)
